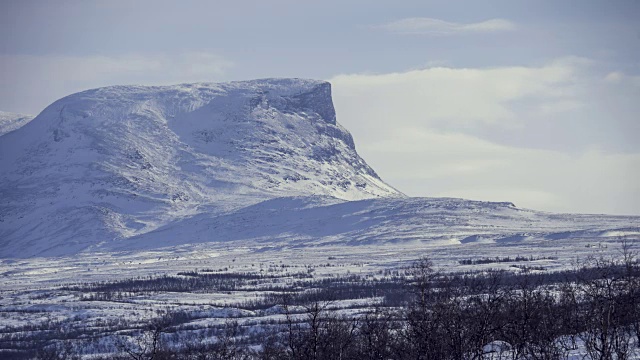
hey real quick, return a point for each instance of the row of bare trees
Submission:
(448, 317)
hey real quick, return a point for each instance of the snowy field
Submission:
(289, 240)
(38, 292)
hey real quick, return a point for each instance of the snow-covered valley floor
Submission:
(39, 293)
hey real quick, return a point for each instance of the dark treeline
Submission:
(440, 316)
(503, 260)
(393, 285)
(183, 282)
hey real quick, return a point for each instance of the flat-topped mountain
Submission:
(256, 163)
(119, 161)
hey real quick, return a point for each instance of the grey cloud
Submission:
(436, 27)
(537, 136)
(33, 82)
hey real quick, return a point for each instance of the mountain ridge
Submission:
(263, 163)
(113, 162)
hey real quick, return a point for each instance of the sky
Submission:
(533, 102)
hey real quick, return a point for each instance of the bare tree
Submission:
(486, 306)
(376, 340)
(423, 275)
(146, 345)
(604, 303)
(227, 345)
(631, 302)
(61, 350)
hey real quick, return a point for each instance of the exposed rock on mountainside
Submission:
(115, 162)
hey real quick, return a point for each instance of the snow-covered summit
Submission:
(259, 163)
(120, 161)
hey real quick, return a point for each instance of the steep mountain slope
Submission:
(112, 163)
(12, 121)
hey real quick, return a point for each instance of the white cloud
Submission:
(618, 77)
(458, 165)
(424, 132)
(28, 80)
(443, 97)
(614, 77)
(560, 106)
(436, 27)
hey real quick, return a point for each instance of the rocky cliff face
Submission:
(120, 161)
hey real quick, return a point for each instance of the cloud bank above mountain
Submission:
(537, 136)
(548, 79)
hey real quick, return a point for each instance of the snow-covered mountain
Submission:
(260, 163)
(12, 121)
(291, 222)
(120, 161)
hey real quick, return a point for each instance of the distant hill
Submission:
(12, 121)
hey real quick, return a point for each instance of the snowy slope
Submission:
(116, 162)
(12, 121)
(315, 221)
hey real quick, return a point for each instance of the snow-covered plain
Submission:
(131, 181)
